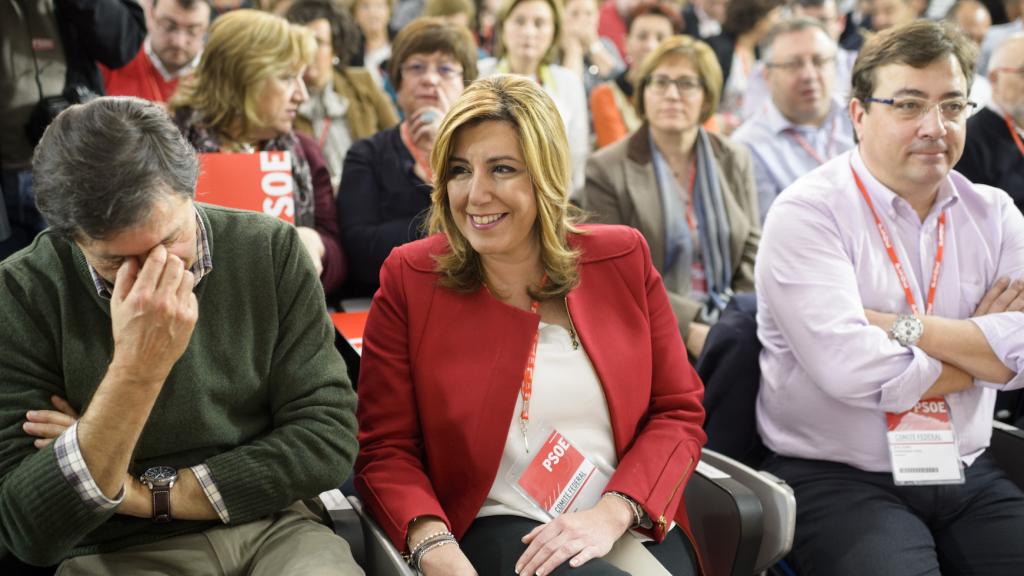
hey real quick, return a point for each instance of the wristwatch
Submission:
(907, 329)
(160, 480)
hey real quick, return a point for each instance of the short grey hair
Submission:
(788, 26)
(100, 166)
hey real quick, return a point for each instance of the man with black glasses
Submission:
(889, 306)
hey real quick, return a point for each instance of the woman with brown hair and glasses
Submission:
(513, 335)
(385, 184)
(690, 192)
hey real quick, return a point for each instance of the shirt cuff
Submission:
(72, 465)
(1002, 331)
(202, 472)
(903, 392)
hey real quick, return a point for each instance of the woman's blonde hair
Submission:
(245, 49)
(703, 59)
(523, 104)
(506, 9)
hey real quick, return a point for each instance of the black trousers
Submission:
(851, 522)
(493, 544)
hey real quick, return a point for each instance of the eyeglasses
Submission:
(168, 26)
(684, 85)
(953, 110)
(418, 69)
(1008, 70)
(797, 64)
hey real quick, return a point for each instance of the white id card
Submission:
(922, 445)
(557, 477)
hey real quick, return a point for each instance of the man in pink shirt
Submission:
(889, 290)
(177, 34)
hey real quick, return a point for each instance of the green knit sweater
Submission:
(260, 395)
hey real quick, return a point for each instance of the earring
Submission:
(335, 61)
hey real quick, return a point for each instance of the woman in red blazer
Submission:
(508, 327)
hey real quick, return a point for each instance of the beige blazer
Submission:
(621, 188)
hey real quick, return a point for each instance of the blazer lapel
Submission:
(642, 186)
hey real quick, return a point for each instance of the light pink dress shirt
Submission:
(828, 377)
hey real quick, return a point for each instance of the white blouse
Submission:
(568, 397)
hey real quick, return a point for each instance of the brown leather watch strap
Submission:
(161, 504)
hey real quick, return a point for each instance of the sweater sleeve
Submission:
(42, 516)
(312, 445)
(609, 127)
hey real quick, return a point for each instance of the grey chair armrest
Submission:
(726, 518)
(346, 522)
(778, 506)
(381, 558)
(1007, 448)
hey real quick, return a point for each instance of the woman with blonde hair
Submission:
(529, 33)
(511, 332)
(690, 192)
(244, 97)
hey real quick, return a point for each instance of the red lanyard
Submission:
(526, 390)
(1013, 133)
(829, 148)
(324, 131)
(417, 154)
(900, 272)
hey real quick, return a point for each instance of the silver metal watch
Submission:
(907, 329)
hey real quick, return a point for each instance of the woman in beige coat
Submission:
(689, 192)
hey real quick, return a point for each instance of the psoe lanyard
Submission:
(1013, 133)
(829, 147)
(526, 390)
(891, 250)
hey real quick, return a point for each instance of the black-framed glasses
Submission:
(796, 64)
(685, 85)
(910, 108)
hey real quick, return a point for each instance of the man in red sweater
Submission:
(177, 33)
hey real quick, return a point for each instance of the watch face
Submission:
(908, 329)
(160, 475)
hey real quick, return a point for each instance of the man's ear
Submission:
(856, 111)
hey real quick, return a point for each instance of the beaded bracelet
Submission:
(412, 548)
(428, 545)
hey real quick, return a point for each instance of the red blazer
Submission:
(441, 371)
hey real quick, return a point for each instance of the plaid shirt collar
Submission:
(202, 266)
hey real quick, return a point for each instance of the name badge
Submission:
(560, 478)
(922, 445)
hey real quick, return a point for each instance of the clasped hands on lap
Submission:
(576, 537)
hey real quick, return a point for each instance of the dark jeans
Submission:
(19, 219)
(493, 544)
(851, 522)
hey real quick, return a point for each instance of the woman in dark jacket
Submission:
(386, 181)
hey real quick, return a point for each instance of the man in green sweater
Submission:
(195, 344)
